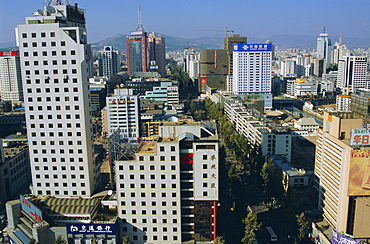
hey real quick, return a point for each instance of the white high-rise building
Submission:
(10, 76)
(323, 45)
(53, 49)
(167, 191)
(109, 61)
(352, 73)
(252, 70)
(123, 113)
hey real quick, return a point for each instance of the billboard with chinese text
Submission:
(360, 136)
(91, 228)
(253, 47)
(339, 239)
(359, 173)
(30, 209)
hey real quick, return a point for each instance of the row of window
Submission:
(45, 53)
(53, 151)
(60, 134)
(73, 168)
(153, 204)
(152, 177)
(56, 89)
(46, 62)
(153, 212)
(56, 176)
(155, 229)
(153, 194)
(53, 160)
(151, 167)
(58, 116)
(42, 34)
(66, 193)
(49, 108)
(44, 44)
(48, 99)
(155, 238)
(47, 81)
(54, 72)
(142, 186)
(154, 221)
(64, 184)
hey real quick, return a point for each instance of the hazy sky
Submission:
(184, 18)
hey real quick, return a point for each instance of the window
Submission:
(162, 158)
(25, 44)
(52, 34)
(33, 35)
(172, 148)
(53, 44)
(161, 148)
(73, 52)
(24, 35)
(204, 157)
(62, 43)
(173, 158)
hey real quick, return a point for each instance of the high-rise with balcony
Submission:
(53, 50)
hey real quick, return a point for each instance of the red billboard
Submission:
(9, 53)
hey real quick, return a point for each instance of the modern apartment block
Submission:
(341, 174)
(10, 76)
(167, 191)
(252, 70)
(352, 73)
(123, 113)
(53, 50)
(109, 61)
(323, 47)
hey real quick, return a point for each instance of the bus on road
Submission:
(272, 234)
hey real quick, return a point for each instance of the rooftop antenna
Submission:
(324, 29)
(57, 2)
(140, 20)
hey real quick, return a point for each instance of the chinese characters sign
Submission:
(359, 173)
(339, 239)
(81, 228)
(360, 136)
(253, 47)
(34, 212)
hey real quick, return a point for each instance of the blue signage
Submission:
(81, 228)
(253, 47)
(11, 241)
(32, 211)
(338, 239)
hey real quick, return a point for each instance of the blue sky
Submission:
(184, 18)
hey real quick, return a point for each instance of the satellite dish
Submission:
(51, 9)
(35, 13)
(41, 12)
(110, 192)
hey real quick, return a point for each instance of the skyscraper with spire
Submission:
(136, 48)
(323, 47)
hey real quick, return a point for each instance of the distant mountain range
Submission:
(179, 43)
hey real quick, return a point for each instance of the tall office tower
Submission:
(136, 52)
(339, 51)
(352, 73)
(252, 70)
(109, 61)
(123, 113)
(167, 191)
(53, 49)
(137, 49)
(342, 174)
(323, 47)
(189, 55)
(10, 76)
(157, 53)
(229, 42)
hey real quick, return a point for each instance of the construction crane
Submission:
(226, 31)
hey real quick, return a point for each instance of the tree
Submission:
(126, 240)
(94, 241)
(60, 240)
(251, 226)
(303, 225)
(219, 240)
